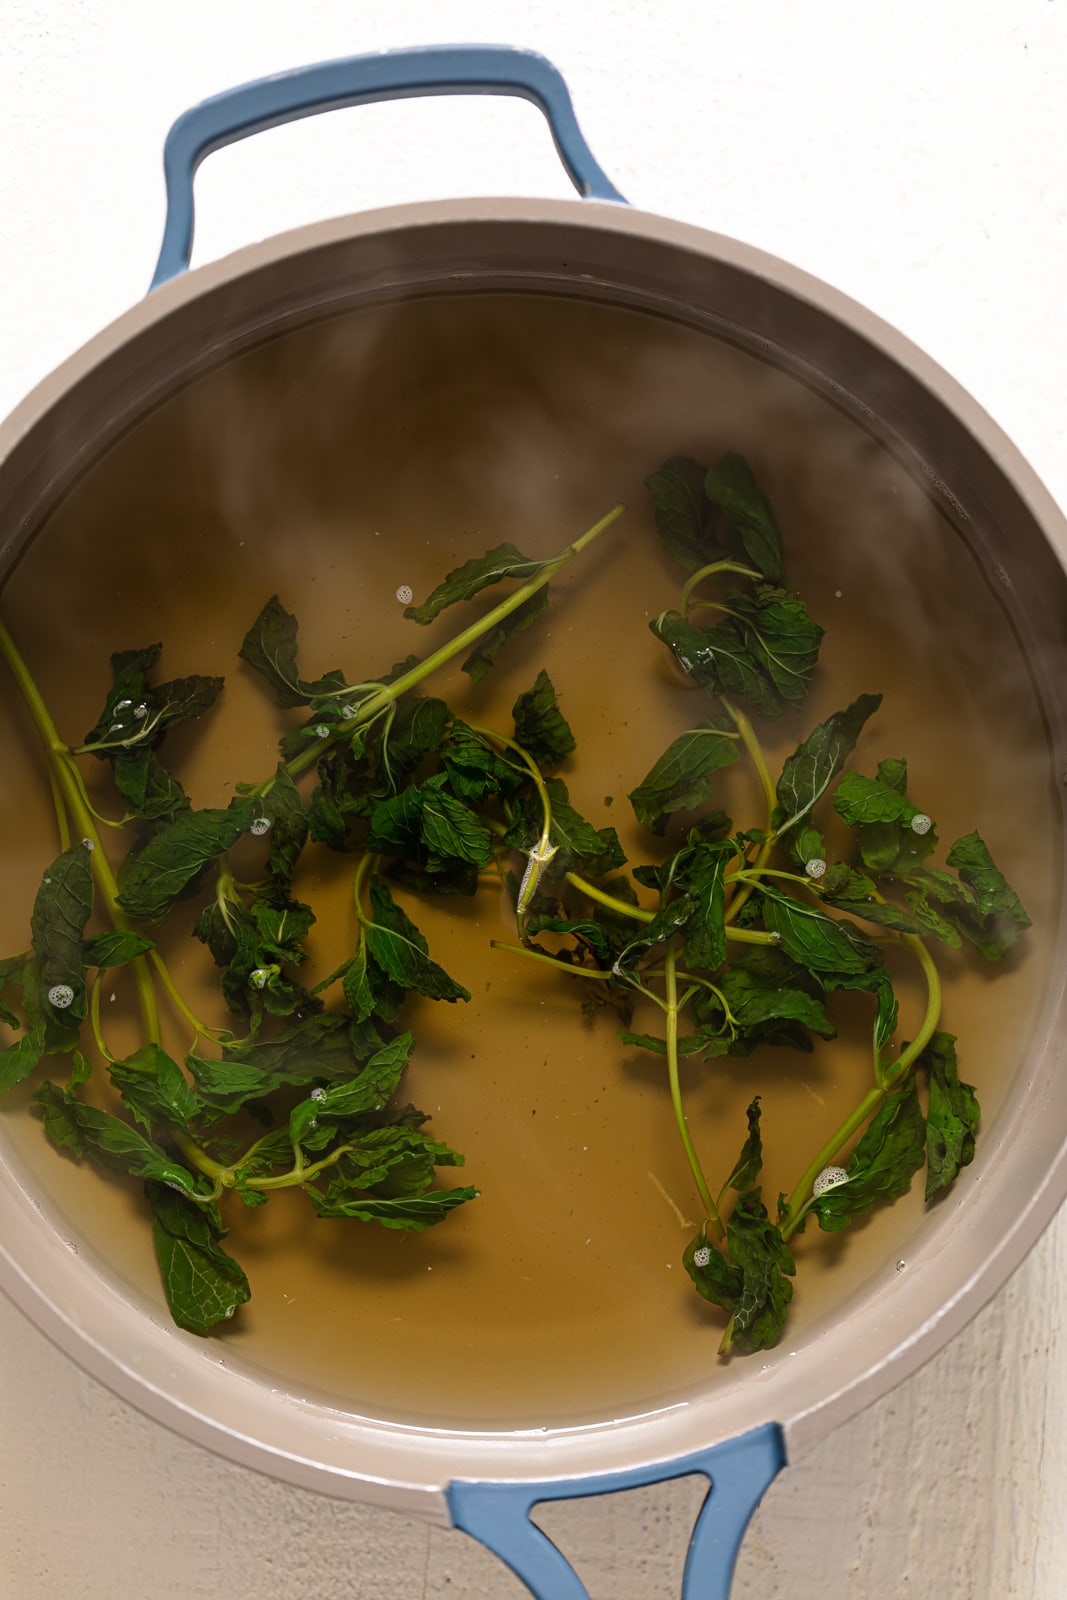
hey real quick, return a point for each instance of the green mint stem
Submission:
(66, 782)
(549, 961)
(759, 761)
(890, 1077)
(601, 896)
(753, 874)
(751, 936)
(94, 1018)
(359, 878)
(712, 571)
(544, 849)
(388, 693)
(670, 978)
(61, 811)
(201, 1028)
(639, 914)
(225, 1177)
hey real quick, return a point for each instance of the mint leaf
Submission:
(781, 637)
(731, 662)
(417, 729)
(749, 1163)
(890, 844)
(398, 949)
(933, 887)
(998, 919)
(396, 825)
(130, 669)
(12, 976)
(720, 660)
(180, 700)
(701, 876)
(588, 935)
(540, 727)
(110, 950)
(358, 989)
(812, 767)
(672, 919)
(84, 1130)
(816, 941)
(855, 893)
(859, 799)
(270, 649)
(711, 1273)
(152, 880)
(802, 844)
(61, 909)
(316, 1050)
(705, 1042)
(762, 996)
(411, 1213)
(883, 1163)
(450, 831)
(683, 512)
(580, 846)
(150, 792)
(952, 1118)
(679, 779)
(203, 1285)
(284, 809)
(474, 769)
(730, 485)
(766, 1264)
(322, 1113)
(18, 1060)
(154, 1088)
(878, 982)
(504, 561)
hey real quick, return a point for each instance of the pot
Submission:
(740, 1427)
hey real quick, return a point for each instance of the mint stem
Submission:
(670, 978)
(712, 571)
(889, 1079)
(388, 693)
(759, 761)
(67, 784)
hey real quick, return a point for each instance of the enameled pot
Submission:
(599, 250)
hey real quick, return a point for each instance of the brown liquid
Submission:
(333, 466)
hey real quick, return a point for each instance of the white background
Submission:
(914, 154)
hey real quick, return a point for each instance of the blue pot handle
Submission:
(740, 1470)
(356, 80)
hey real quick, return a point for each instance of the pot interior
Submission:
(334, 464)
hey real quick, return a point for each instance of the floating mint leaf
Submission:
(270, 649)
(679, 779)
(204, 1286)
(684, 514)
(472, 577)
(882, 1164)
(540, 726)
(731, 485)
(952, 1118)
(153, 879)
(812, 767)
(397, 947)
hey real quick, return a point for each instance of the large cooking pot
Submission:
(742, 1425)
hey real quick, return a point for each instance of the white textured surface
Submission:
(911, 154)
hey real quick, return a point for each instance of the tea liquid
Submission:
(341, 463)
